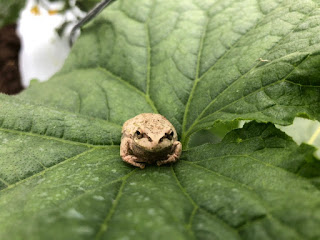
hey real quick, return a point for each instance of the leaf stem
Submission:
(314, 136)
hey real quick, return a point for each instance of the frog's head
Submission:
(154, 133)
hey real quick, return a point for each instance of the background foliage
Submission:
(9, 11)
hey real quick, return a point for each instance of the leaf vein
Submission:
(4, 182)
(49, 168)
(250, 70)
(148, 99)
(218, 218)
(104, 225)
(253, 158)
(195, 206)
(149, 54)
(241, 37)
(50, 138)
(244, 96)
(269, 214)
(201, 44)
(107, 102)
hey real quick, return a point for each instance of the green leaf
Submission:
(199, 63)
(9, 11)
(253, 184)
(86, 5)
(212, 135)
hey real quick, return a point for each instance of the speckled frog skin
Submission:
(149, 138)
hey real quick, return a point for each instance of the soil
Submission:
(10, 80)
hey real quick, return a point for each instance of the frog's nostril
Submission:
(149, 138)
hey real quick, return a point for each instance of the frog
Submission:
(149, 138)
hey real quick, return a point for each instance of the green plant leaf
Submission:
(9, 11)
(212, 135)
(198, 63)
(86, 5)
(254, 184)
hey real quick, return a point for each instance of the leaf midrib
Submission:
(147, 97)
(194, 204)
(104, 225)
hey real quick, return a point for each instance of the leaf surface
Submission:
(254, 184)
(199, 63)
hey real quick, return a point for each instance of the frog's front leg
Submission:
(176, 152)
(125, 146)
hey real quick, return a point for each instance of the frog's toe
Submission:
(140, 165)
(171, 159)
(133, 161)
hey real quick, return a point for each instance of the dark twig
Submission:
(91, 14)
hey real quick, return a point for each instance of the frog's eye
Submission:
(139, 135)
(170, 135)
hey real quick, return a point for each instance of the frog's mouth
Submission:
(155, 149)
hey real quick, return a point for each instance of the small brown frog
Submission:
(149, 138)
